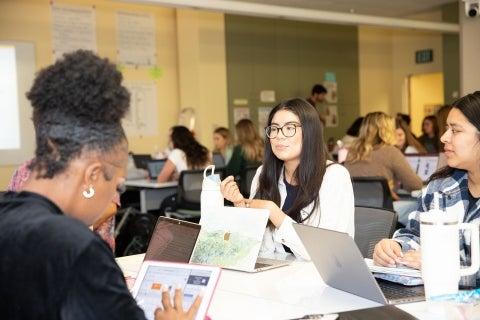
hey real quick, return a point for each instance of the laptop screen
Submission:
(172, 240)
(141, 160)
(154, 167)
(424, 165)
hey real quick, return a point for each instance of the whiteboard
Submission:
(25, 66)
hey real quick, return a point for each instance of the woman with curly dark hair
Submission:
(80, 162)
(187, 154)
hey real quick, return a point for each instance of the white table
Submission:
(283, 293)
(151, 192)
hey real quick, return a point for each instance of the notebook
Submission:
(341, 265)
(193, 279)
(154, 167)
(423, 164)
(141, 160)
(231, 238)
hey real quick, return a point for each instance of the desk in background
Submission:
(282, 293)
(151, 192)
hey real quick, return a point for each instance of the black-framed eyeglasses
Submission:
(288, 130)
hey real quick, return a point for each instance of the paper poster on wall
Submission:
(332, 96)
(263, 113)
(240, 113)
(73, 27)
(142, 117)
(331, 116)
(136, 38)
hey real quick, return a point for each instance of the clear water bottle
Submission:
(211, 195)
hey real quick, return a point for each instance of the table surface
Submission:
(152, 184)
(286, 293)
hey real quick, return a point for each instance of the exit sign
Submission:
(424, 56)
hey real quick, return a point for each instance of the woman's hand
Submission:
(176, 311)
(387, 253)
(231, 192)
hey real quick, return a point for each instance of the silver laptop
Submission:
(231, 238)
(424, 164)
(341, 265)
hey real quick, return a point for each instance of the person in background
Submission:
(458, 185)
(374, 154)
(318, 95)
(104, 225)
(248, 151)
(296, 183)
(352, 133)
(406, 118)
(81, 156)
(406, 142)
(223, 143)
(430, 138)
(186, 154)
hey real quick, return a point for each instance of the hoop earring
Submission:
(88, 194)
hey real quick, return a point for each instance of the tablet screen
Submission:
(192, 278)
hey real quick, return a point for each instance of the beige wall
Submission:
(191, 39)
(387, 59)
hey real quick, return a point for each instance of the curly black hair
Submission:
(78, 102)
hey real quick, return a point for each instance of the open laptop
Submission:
(424, 164)
(176, 240)
(172, 240)
(141, 160)
(154, 167)
(231, 238)
(341, 265)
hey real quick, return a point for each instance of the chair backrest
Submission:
(372, 192)
(372, 225)
(189, 189)
(246, 180)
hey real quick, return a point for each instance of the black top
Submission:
(53, 267)
(292, 192)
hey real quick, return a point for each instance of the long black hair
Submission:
(311, 169)
(469, 106)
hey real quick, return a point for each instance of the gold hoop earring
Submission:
(88, 194)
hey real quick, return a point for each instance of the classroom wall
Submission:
(289, 57)
(194, 47)
(190, 54)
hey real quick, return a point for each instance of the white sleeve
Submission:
(336, 200)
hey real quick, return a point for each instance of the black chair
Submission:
(186, 205)
(372, 192)
(372, 225)
(246, 179)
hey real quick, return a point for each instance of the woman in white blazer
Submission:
(297, 182)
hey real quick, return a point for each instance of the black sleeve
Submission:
(97, 288)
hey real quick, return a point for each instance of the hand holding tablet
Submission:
(158, 282)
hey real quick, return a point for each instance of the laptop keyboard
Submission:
(259, 265)
(395, 290)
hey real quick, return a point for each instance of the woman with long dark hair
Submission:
(297, 182)
(187, 154)
(457, 184)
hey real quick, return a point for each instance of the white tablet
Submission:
(192, 278)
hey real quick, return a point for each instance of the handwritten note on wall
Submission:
(142, 117)
(136, 38)
(73, 27)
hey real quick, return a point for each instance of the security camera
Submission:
(472, 8)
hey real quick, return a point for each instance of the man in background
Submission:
(318, 95)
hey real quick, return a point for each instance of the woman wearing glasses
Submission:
(296, 182)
